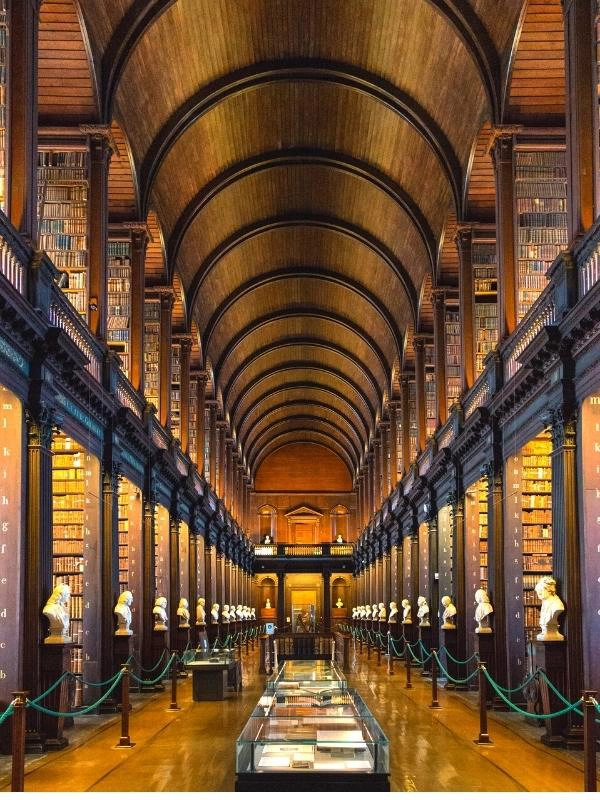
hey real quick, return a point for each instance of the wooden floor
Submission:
(194, 749)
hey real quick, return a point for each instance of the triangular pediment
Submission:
(303, 511)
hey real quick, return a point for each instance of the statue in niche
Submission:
(552, 608)
(482, 612)
(122, 611)
(200, 611)
(268, 602)
(339, 603)
(160, 614)
(183, 613)
(407, 613)
(449, 613)
(56, 611)
(423, 612)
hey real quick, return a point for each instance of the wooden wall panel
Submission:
(122, 194)
(303, 468)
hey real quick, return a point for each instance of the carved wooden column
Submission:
(22, 113)
(405, 417)
(434, 599)
(438, 297)
(201, 378)
(464, 243)
(220, 582)
(228, 472)
(582, 117)
(496, 587)
(109, 559)
(371, 481)
(147, 623)
(400, 570)
(220, 489)
(100, 148)
(566, 535)
(186, 350)
(139, 242)
(212, 436)
(166, 307)
(459, 577)
(209, 575)
(414, 571)
(419, 345)
(502, 150)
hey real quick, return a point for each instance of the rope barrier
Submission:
(143, 682)
(455, 680)
(151, 669)
(510, 704)
(8, 711)
(81, 712)
(445, 650)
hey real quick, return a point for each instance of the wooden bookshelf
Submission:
(412, 420)
(3, 98)
(63, 217)
(430, 391)
(123, 525)
(541, 198)
(119, 299)
(152, 351)
(453, 356)
(485, 297)
(176, 390)
(446, 587)
(161, 552)
(193, 422)
(476, 545)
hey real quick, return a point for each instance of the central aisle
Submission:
(194, 749)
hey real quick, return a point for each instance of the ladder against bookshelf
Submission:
(75, 495)
(119, 299)
(541, 217)
(485, 297)
(176, 390)
(152, 351)
(63, 217)
(453, 360)
(3, 98)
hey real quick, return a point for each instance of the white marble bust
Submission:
(214, 612)
(225, 615)
(160, 614)
(374, 611)
(183, 613)
(449, 613)
(423, 612)
(56, 611)
(252, 613)
(238, 611)
(552, 608)
(245, 612)
(393, 617)
(382, 612)
(367, 611)
(353, 612)
(407, 612)
(482, 612)
(268, 603)
(122, 611)
(339, 603)
(200, 611)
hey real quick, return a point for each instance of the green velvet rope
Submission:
(445, 650)
(86, 710)
(450, 678)
(8, 711)
(142, 682)
(152, 669)
(570, 707)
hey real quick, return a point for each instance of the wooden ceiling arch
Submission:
(305, 437)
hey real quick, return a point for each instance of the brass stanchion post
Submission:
(484, 737)
(125, 740)
(173, 705)
(407, 662)
(435, 703)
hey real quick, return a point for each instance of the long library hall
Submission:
(299, 395)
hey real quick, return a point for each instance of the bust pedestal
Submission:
(181, 636)
(551, 656)
(411, 637)
(200, 636)
(55, 660)
(426, 637)
(449, 640)
(122, 650)
(214, 632)
(160, 643)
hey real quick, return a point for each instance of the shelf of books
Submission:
(412, 420)
(152, 351)
(430, 392)
(123, 525)
(75, 505)
(184, 562)
(407, 574)
(445, 523)
(424, 588)
(485, 297)
(63, 217)
(453, 360)
(541, 198)
(207, 474)
(193, 422)
(119, 299)
(3, 98)
(176, 390)
(476, 544)
(161, 552)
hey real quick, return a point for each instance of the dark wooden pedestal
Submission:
(55, 660)
(411, 636)
(552, 658)
(160, 643)
(426, 637)
(483, 643)
(449, 640)
(214, 632)
(122, 650)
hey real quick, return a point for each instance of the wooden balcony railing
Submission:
(127, 396)
(303, 550)
(541, 314)
(14, 255)
(587, 257)
(62, 315)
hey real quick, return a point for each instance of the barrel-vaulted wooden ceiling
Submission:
(302, 159)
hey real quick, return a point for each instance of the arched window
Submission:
(339, 524)
(267, 524)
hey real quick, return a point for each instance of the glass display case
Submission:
(334, 747)
(319, 674)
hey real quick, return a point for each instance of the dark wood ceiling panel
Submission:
(500, 20)
(122, 192)
(536, 91)
(480, 204)
(301, 115)
(155, 253)
(66, 90)
(304, 189)
(280, 332)
(178, 315)
(425, 320)
(102, 19)
(448, 264)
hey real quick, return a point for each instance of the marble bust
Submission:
(354, 612)
(160, 614)
(375, 611)
(393, 617)
(122, 611)
(382, 612)
(252, 613)
(214, 612)
(552, 608)
(407, 612)
(183, 613)
(245, 612)
(200, 611)
(423, 612)
(238, 611)
(225, 615)
(339, 603)
(449, 613)
(482, 612)
(268, 603)
(56, 611)
(367, 611)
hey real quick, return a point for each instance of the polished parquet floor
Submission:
(194, 749)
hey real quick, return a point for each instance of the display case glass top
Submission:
(318, 673)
